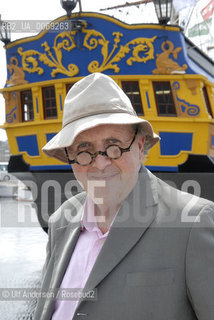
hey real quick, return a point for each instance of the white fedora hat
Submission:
(92, 101)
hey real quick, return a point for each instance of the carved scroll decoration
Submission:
(138, 46)
(141, 49)
(185, 107)
(54, 61)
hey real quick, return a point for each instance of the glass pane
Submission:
(26, 116)
(162, 109)
(52, 92)
(126, 87)
(54, 113)
(171, 109)
(135, 87)
(138, 108)
(160, 99)
(136, 98)
(158, 87)
(170, 101)
(47, 93)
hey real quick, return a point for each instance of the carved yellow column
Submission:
(37, 104)
(147, 98)
(60, 96)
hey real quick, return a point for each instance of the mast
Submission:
(127, 4)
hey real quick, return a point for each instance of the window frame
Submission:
(44, 99)
(154, 83)
(142, 113)
(23, 103)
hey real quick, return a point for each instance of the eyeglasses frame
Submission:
(103, 153)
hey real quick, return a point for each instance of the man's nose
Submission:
(101, 161)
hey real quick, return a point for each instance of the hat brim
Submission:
(65, 138)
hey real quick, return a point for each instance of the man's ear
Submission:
(141, 142)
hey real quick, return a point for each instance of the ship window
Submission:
(131, 88)
(207, 101)
(68, 86)
(49, 102)
(164, 99)
(27, 105)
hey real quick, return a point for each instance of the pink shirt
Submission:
(82, 260)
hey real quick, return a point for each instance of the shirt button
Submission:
(80, 314)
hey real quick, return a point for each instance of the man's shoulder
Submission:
(69, 211)
(188, 207)
(169, 193)
(176, 205)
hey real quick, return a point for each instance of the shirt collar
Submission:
(89, 220)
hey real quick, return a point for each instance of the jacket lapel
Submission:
(65, 244)
(133, 219)
(66, 238)
(65, 241)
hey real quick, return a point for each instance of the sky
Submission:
(51, 10)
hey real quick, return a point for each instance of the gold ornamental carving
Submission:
(54, 61)
(138, 46)
(192, 85)
(11, 104)
(166, 65)
(141, 50)
(17, 74)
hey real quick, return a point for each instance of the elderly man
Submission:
(131, 246)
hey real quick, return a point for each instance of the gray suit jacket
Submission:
(157, 262)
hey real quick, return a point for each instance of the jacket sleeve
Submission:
(200, 264)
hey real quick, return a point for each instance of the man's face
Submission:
(108, 181)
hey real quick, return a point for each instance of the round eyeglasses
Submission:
(113, 152)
